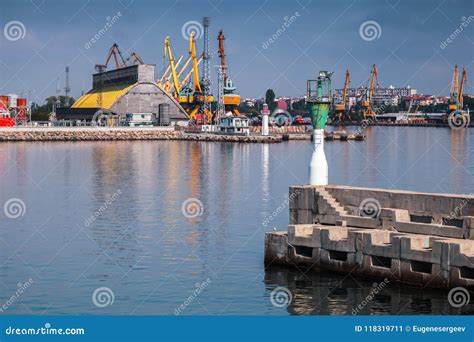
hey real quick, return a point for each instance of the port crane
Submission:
(192, 98)
(231, 100)
(340, 108)
(457, 90)
(366, 103)
(136, 59)
(115, 52)
(455, 103)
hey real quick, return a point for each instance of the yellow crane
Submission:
(186, 78)
(340, 108)
(366, 103)
(457, 90)
(192, 98)
(168, 84)
(165, 77)
(168, 54)
(192, 53)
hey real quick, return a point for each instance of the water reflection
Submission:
(324, 293)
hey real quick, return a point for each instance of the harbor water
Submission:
(177, 227)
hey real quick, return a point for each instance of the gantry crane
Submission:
(115, 52)
(231, 99)
(136, 59)
(340, 108)
(367, 100)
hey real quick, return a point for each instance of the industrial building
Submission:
(129, 89)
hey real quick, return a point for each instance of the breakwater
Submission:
(121, 133)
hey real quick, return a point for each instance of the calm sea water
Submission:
(110, 215)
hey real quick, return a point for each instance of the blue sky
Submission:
(322, 35)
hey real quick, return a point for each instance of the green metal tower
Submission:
(319, 99)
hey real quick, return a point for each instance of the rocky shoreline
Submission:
(107, 134)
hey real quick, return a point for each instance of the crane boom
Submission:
(184, 67)
(113, 52)
(461, 87)
(168, 85)
(169, 54)
(192, 53)
(346, 86)
(374, 76)
(136, 59)
(188, 75)
(166, 75)
(221, 51)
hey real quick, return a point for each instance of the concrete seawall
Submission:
(425, 239)
(120, 133)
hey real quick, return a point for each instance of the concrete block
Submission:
(373, 267)
(293, 195)
(381, 243)
(276, 248)
(461, 276)
(429, 229)
(414, 272)
(420, 248)
(301, 235)
(462, 253)
(293, 216)
(305, 198)
(327, 219)
(338, 261)
(337, 239)
(305, 216)
(468, 222)
(362, 222)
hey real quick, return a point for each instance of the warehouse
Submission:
(130, 89)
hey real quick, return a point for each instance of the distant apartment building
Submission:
(387, 96)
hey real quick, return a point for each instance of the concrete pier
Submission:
(425, 239)
(120, 133)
